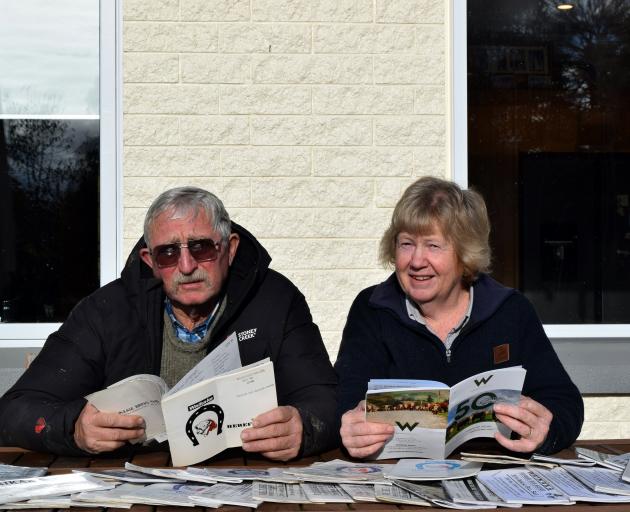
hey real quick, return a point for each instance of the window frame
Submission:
(33, 335)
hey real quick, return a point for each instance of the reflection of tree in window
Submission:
(53, 171)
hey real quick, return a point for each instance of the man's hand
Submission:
(363, 438)
(97, 432)
(529, 419)
(276, 434)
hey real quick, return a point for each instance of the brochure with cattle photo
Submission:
(205, 412)
(431, 419)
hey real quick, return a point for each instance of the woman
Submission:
(439, 316)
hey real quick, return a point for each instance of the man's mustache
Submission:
(198, 275)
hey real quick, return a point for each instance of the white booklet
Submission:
(431, 420)
(625, 476)
(616, 462)
(205, 412)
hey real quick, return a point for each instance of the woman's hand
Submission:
(529, 419)
(363, 438)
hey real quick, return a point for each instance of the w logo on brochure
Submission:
(406, 426)
(483, 380)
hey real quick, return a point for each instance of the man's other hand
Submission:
(276, 434)
(96, 431)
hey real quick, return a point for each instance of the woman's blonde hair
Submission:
(461, 216)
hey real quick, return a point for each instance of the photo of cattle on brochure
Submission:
(478, 409)
(426, 409)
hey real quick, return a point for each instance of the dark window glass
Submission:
(549, 148)
(49, 217)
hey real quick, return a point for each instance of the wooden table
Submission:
(234, 458)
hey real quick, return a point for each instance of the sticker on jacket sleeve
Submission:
(247, 335)
(501, 353)
(40, 425)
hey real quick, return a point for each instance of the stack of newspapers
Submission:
(461, 484)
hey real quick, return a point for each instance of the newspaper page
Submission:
(432, 420)
(228, 494)
(339, 471)
(360, 492)
(276, 492)
(137, 395)
(161, 473)
(522, 486)
(394, 494)
(208, 417)
(9, 472)
(237, 475)
(423, 469)
(111, 496)
(603, 459)
(142, 394)
(434, 494)
(55, 485)
(124, 475)
(51, 502)
(320, 492)
(167, 494)
(470, 491)
(504, 460)
(601, 479)
(471, 413)
(223, 359)
(538, 457)
(575, 489)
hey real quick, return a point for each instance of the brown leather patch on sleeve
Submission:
(501, 353)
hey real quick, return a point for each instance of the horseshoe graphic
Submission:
(189, 424)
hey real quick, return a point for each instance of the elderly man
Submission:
(194, 279)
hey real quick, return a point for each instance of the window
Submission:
(540, 109)
(58, 165)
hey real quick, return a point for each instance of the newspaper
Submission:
(561, 462)
(522, 486)
(142, 394)
(179, 495)
(360, 492)
(339, 471)
(320, 492)
(575, 489)
(616, 462)
(431, 420)
(601, 479)
(470, 491)
(228, 494)
(110, 496)
(12, 491)
(161, 475)
(9, 472)
(625, 476)
(52, 502)
(208, 417)
(278, 492)
(435, 495)
(504, 459)
(394, 494)
(237, 475)
(124, 475)
(424, 469)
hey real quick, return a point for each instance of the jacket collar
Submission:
(489, 295)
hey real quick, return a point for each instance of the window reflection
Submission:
(49, 239)
(549, 147)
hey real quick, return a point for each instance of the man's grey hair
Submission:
(184, 201)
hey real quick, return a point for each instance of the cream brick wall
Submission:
(307, 117)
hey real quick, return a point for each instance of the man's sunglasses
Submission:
(204, 249)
